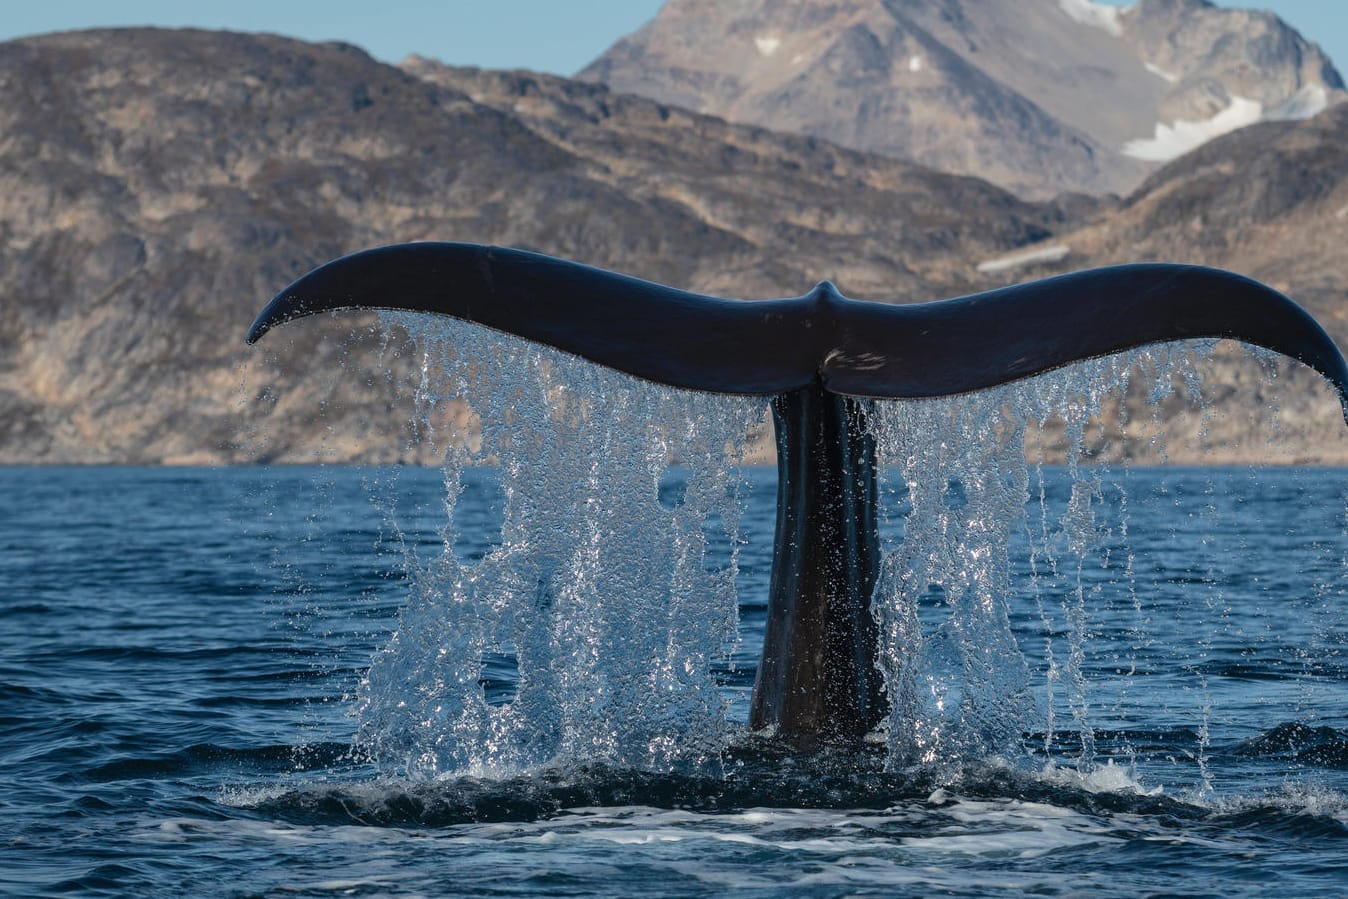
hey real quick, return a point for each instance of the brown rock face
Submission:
(157, 187)
(1040, 96)
(1270, 201)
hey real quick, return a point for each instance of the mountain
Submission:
(1039, 96)
(1269, 201)
(157, 187)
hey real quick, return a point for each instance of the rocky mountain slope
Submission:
(1269, 201)
(1039, 96)
(156, 187)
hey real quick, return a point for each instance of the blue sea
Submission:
(202, 673)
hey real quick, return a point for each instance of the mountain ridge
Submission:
(1077, 96)
(156, 187)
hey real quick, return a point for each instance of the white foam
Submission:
(1296, 799)
(1096, 15)
(844, 837)
(183, 830)
(1009, 827)
(1174, 140)
(767, 45)
(1107, 778)
(1054, 253)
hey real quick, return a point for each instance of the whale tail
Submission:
(852, 347)
(819, 355)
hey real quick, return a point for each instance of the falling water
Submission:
(598, 595)
(957, 678)
(591, 626)
(1115, 682)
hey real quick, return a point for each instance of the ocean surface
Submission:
(199, 676)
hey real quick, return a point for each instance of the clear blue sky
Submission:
(558, 36)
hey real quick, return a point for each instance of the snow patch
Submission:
(915, 63)
(1174, 140)
(1310, 100)
(1161, 73)
(1096, 15)
(767, 45)
(1055, 253)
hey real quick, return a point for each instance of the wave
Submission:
(759, 773)
(202, 758)
(1322, 746)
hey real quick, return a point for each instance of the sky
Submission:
(558, 36)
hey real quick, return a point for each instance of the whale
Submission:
(824, 359)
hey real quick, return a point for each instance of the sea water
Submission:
(527, 672)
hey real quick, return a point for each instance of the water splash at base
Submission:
(598, 594)
(605, 610)
(957, 679)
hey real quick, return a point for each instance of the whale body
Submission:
(823, 357)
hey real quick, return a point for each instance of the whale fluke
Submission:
(853, 347)
(654, 332)
(823, 358)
